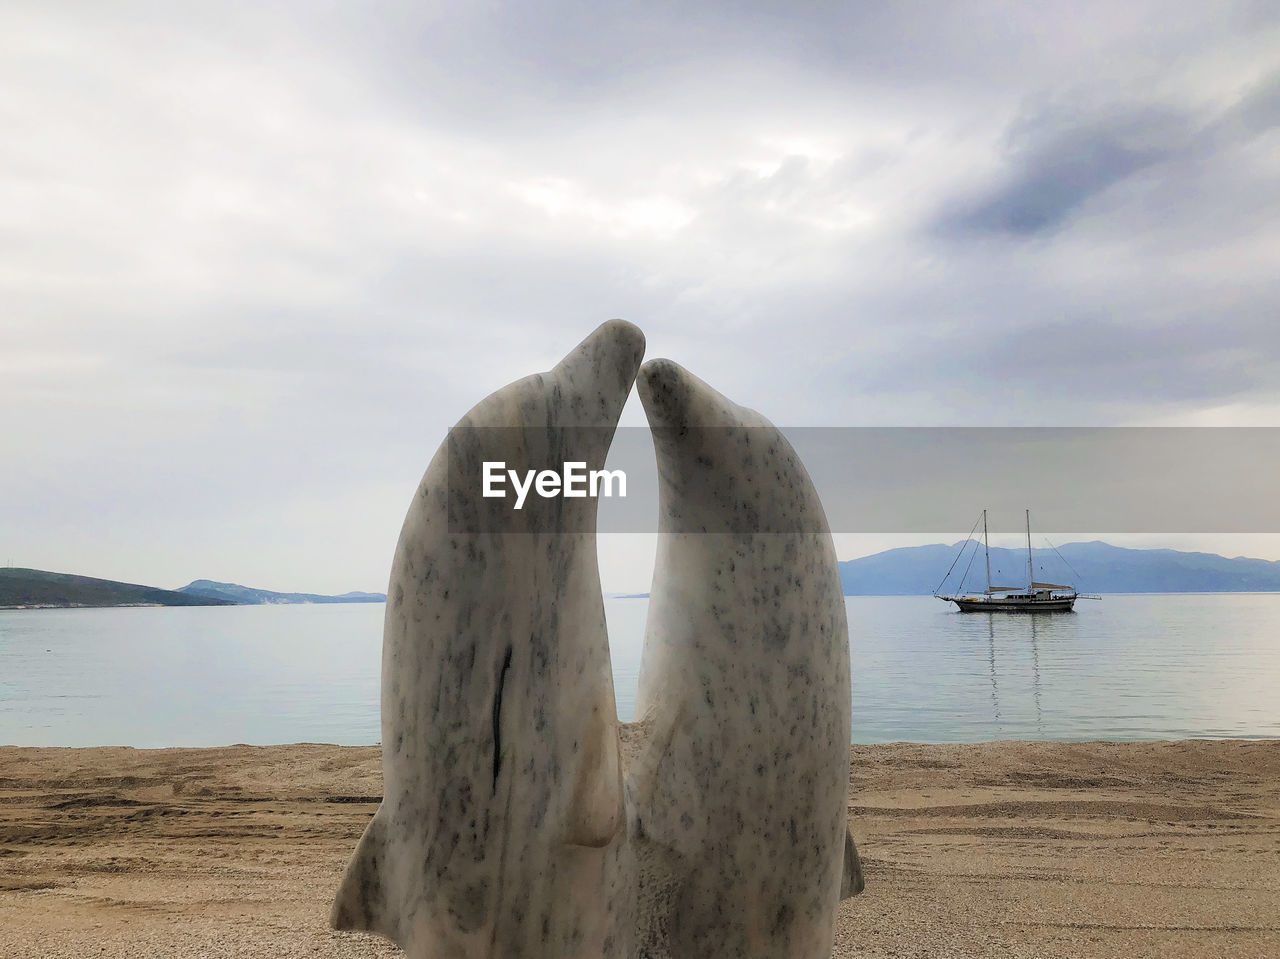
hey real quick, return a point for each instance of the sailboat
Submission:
(1032, 598)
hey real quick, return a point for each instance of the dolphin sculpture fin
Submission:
(595, 816)
(851, 883)
(360, 905)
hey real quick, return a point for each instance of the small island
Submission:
(39, 589)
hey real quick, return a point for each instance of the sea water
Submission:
(1141, 667)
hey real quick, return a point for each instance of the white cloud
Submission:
(260, 258)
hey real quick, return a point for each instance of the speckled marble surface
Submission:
(501, 828)
(744, 690)
(511, 825)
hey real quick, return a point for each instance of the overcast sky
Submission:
(255, 259)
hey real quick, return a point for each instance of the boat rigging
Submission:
(1035, 597)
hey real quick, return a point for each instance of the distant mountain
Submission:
(37, 588)
(247, 596)
(1094, 567)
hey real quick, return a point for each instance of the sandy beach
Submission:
(1002, 849)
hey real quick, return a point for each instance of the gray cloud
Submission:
(1058, 163)
(259, 258)
(1061, 155)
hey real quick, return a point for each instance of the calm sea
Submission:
(1128, 667)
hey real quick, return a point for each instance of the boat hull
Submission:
(1015, 606)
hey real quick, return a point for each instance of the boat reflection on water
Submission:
(1035, 626)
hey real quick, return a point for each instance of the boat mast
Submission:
(1031, 576)
(986, 545)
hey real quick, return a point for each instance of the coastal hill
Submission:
(37, 588)
(1094, 567)
(247, 596)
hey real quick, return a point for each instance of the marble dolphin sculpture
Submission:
(738, 798)
(502, 828)
(509, 826)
